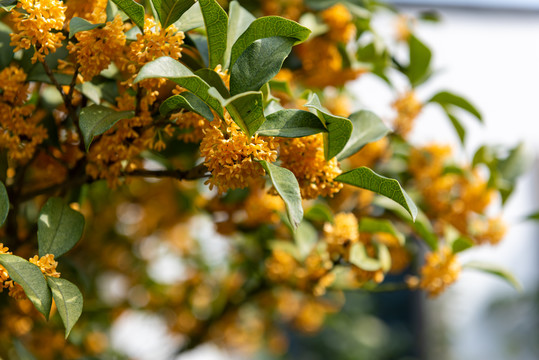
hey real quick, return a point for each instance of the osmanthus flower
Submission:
(4, 276)
(488, 231)
(305, 158)
(408, 108)
(372, 153)
(321, 53)
(95, 49)
(440, 270)
(343, 233)
(191, 124)
(339, 20)
(263, 208)
(152, 44)
(427, 162)
(231, 155)
(38, 25)
(20, 132)
(290, 9)
(92, 10)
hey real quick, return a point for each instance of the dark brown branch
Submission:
(55, 82)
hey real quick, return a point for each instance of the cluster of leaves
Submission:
(253, 51)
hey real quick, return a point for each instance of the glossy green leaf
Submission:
(367, 127)
(214, 80)
(68, 300)
(339, 128)
(111, 10)
(167, 67)
(187, 101)
(4, 204)
(191, 19)
(365, 178)
(420, 56)
(268, 26)
(32, 280)
(372, 225)
(134, 10)
(94, 120)
(170, 11)
(286, 184)
(291, 123)
(6, 51)
(8, 5)
(447, 99)
(246, 110)
(78, 24)
(281, 86)
(494, 270)
(59, 228)
(239, 21)
(216, 22)
(517, 162)
(358, 257)
(259, 63)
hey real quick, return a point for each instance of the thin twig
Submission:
(198, 172)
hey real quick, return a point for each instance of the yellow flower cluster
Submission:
(20, 133)
(339, 20)
(92, 10)
(263, 208)
(46, 264)
(35, 27)
(192, 124)
(97, 48)
(454, 198)
(4, 276)
(341, 235)
(322, 64)
(153, 43)
(371, 153)
(440, 270)
(312, 276)
(290, 9)
(408, 108)
(305, 158)
(231, 155)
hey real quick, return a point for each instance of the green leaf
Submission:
(239, 21)
(494, 270)
(286, 184)
(134, 10)
(461, 131)
(282, 86)
(59, 228)
(291, 123)
(8, 5)
(68, 299)
(365, 178)
(4, 204)
(339, 128)
(246, 110)
(306, 238)
(516, 163)
(191, 19)
(94, 120)
(319, 212)
(259, 63)
(167, 67)
(358, 257)
(367, 127)
(268, 26)
(461, 243)
(216, 22)
(6, 51)
(447, 99)
(111, 10)
(372, 225)
(170, 11)
(214, 80)
(32, 280)
(420, 56)
(78, 24)
(188, 101)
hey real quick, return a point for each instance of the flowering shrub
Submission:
(128, 132)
